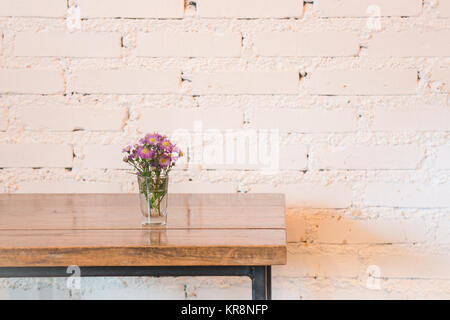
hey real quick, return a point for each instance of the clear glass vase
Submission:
(153, 199)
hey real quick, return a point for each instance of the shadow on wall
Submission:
(325, 245)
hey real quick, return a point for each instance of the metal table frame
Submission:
(260, 275)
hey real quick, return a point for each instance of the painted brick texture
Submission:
(249, 8)
(132, 8)
(33, 8)
(366, 8)
(188, 44)
(342, 105)
(60, 44)
(31, 81)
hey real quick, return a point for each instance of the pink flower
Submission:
(144, 153)
(155, 152)
(164, 162)
(127, 149)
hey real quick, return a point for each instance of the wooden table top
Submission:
(105, 230)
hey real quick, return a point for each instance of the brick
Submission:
(35, 155)
(104, 157)
(188, 44)
(253, 156)
(417, 118)
(210, 291)
(308, 121)
(65, 44)
(68, 119)
(319, 265)
(410, 44)
(31, 81)
(369, 157)
(443, 230)
(306, 44)
(363, 82)
(126, 81)
(444, 9)
(406, 195)
(4, 118)
(308, 195)
(152, 119)
(131, 8)
(33, 8)
(293, 157)
(368, 8)
(443, 158)
(295, 227)
(418, 265)
(202, 187)
(249, 8)
(346, 231)
(442, 76)
(68, 187)
(286, 82)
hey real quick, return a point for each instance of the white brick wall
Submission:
(169, 120)
(35, 155)
(444, 8)
(306, 44)
(369, 157)
(245, 83)
(362, 8)
(103, 157)
(443, 158)
(188, 44)
(249, 8)
(407, 195)
(63, 118)
(309, 121)
(33, 8)
(31, 81)
(131, 8)
(356, 92)
(416, 118)
(64, 44)
(125, 81)
(341, 231)
(307, 195)
(442, 77)
(363, 82)
(3, 119)
(410, 44)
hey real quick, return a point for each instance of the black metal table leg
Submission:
(262, 283)
(269, 282)
(260, 275)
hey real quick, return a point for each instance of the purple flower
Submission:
(154, 152)
(164, 162)
(145, 153)
(127, 149)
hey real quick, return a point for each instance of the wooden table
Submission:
(206, 235)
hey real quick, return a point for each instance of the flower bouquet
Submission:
(153, 158)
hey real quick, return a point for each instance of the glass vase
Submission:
(153, 199)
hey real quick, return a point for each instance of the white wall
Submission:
(359, 95)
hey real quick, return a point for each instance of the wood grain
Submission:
(105, 230)
(121, 211)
